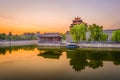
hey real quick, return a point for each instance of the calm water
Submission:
(33, 63)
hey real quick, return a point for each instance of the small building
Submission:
(49, 38)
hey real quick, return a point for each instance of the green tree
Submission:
(24, 36)
(63, 35)
(96, 33)
(28, 36)
(116, 36)
(15, 37)
(104, 37)
(3, 36)
(78, 32)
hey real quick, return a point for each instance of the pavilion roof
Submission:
(50, 35)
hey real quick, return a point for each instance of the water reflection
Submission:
(51, 53)
(80, 59)
(3, 50)
(77, 60)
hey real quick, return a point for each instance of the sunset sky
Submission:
(19, 16)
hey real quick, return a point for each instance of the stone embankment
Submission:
(99, 45)
(80, 45)
(52, 44)
(18, 43)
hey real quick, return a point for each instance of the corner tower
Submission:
(77, 20)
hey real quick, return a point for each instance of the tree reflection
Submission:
(96, 59)
(78, 60)
(82, 58)
(116, 58)
(3, 50)
(95, 64)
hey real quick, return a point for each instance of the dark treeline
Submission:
(24, 36)
(81, 59)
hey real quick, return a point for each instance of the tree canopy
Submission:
(116, 36)
(3, 36)
(78, 32)
(63, 35)
(96, 33)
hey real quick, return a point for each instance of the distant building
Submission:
(49, 38)
(77, 20)
(109, 32)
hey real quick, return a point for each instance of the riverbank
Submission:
(83, 45)
(80, 45)
(99, 45)
(17, 43)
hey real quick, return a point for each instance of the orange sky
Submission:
(19, 16)
(32, 23)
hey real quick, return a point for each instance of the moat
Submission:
(32, 63)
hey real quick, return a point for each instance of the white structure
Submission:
(68, 37)
(109, 32)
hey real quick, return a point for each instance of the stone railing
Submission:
(100, 45)
(18, 43)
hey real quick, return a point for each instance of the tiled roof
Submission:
(50, 35)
